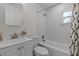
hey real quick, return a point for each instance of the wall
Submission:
(41, 24)
(56, 31)
(34, 22)
(29, 23)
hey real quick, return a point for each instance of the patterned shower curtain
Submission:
(74, 48)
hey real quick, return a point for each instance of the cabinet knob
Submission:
(19, 48)
(22, 47)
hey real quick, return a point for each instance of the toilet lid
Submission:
(41, 50)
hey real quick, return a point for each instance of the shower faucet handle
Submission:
(42, 36)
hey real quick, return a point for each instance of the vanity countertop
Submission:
(7, 43)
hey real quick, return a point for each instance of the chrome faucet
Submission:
(14, 36)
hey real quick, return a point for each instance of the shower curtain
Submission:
(74, 48)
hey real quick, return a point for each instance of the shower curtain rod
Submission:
(48, 8)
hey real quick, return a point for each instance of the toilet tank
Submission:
(35, 40)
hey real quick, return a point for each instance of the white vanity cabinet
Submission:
(24, 48)
(10, 51)
(27, 48)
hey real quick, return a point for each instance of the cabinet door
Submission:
(10, 51)
(27, 49)
(13, 15)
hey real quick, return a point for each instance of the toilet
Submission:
(40, 51)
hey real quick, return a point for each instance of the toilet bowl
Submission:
(40, 51)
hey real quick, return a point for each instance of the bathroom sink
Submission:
(7, 43)
(22, 39)
(25, 39)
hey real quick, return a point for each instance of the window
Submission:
(67, 17)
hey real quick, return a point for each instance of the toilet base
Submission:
(40, 51)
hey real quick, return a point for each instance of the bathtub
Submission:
(56, 48)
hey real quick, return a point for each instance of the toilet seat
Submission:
(41, 51)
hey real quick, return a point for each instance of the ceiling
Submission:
(19, 5)
(46, 5)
